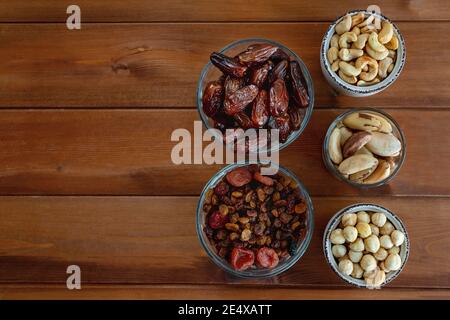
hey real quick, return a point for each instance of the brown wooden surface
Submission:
(207, 10)
(120, 152)
(85, 170)
(45, 65)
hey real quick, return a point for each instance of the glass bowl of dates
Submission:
(256, 84)
(364, 147)
(253, 225)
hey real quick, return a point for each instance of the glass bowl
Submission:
(285, 263)
(396, 130)
(357, 91)
(333, 224)
(211, 73)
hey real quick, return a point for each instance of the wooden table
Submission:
(86, 176)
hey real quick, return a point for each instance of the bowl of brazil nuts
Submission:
(253, 225)
(366, 245)
(364, 147)
(362, 53)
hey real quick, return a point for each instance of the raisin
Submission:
(221, 189)
(227, 65)
(260, 109)
(279, 98)
(212, 98)
(256, 54)
(299, 91)
(238, 100)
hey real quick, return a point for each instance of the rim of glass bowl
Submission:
(398, 67)
(329, 164)
(333, 223)
(307, 76)
(254, 273)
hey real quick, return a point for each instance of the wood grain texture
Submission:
(152, 240)
(45, 65)
(120, 152)
(206, 10)
(211, 292)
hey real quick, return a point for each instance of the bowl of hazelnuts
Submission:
(366, 245)
(362, 53)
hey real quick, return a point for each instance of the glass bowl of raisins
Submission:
(253, 225)
(256, 84)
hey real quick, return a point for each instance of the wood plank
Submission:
(211, 292)
(45, 65)
(204, 10)
(120, 152)
(152, 240)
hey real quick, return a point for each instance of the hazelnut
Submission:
(357, 245)
(350, 233)
(397, 237)
(357, 271)
(381, 254)
(363, 229)
(346, 266)
(386, 242)
(339, 250)
(337, 237)
(368, 262)
(393, 262)
(372, 243)
(355, 256)
(378, 219)
(363, 216)
(394, 250)
(375, 230)
(387, 229)
(349, 219)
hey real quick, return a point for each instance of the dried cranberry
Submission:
(216, 220)
(242, 259)
(221, 189)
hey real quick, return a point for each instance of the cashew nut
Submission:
(348, 69)
(368, 29)
(360, 41)
(350, 54)
(334, 42)
(346, 38)
(335, 66)
(366, 22)
(383, 66)
(374, 43)
(348, 79)
(365, 68)
(393, 43)
(386, 33)
(332, 54)
(356, 31)
(344, 26)
(373, 68)
(376, 55)
(357, 18)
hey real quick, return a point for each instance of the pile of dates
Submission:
(260, 88)
(254, 220)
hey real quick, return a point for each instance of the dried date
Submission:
(260, 109)
(232, 84)
(212, 98)
(256, 54)
(299, 91)
(279, 98)
(238, 100)
(227, 65)
(279, 71)
(243, 120)
(260, 74)
(282, 124)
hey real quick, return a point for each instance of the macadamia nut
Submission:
(363, 217)
(349, 219)
(339, 250)
(387, 229)
(393, 262)
(350, 233)
(378, 219)
(386, 242)
(363, 229)
(397, 238)
(337, 237)
(355, 256)
(346, 267)
(372, 244)
(368, 262)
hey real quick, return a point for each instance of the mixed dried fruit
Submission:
(363, 51)
(367, 245)
(254, 220)
(260, 88)
(364, 147)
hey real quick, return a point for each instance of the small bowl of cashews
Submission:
(366, 245)
(362, 53)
